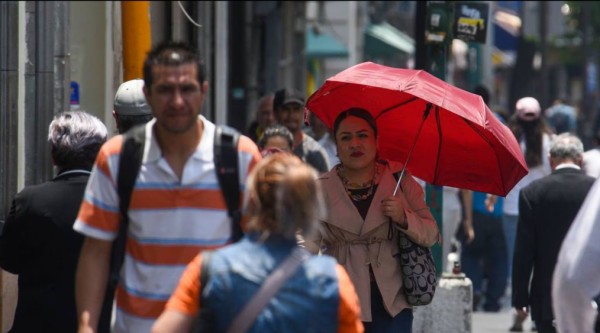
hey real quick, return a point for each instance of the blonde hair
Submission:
(283, 196)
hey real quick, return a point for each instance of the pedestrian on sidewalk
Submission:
(130, 107)
(176, 206)
(264, 118)
(531, 132)
(484, 245)
(284, 199)
(358, 193)
(276, 137)
(289, 111)
(38, 242)
(547, 207)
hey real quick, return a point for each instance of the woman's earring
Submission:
(337, 154)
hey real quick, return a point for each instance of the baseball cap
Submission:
(528, 109)
(130, 99)
(285, 96)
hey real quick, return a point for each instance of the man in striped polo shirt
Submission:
(176, 207)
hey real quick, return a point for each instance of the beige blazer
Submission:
(358, 243)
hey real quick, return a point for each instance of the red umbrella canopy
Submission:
(462, 144)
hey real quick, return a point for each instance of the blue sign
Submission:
(74, 93)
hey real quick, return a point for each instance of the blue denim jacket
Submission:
(307, 302)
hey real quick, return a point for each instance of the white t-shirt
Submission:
(511, 203)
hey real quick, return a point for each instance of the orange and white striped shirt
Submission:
(171, 220)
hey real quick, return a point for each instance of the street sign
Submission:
(471, 21)
(74, 95)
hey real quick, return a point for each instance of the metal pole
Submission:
(544, 74)
(44, 87)
(221, 61)
(205, 18)
(436, 64)
(487, 70)
(352, 33)
(62, 72)
(30, 93)
(136, 37)
(586, 126)
(9, 81)
(10, 14)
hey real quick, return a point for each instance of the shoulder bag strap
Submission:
(268, 289)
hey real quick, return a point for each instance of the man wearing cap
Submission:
(289, 111)
(130, 107)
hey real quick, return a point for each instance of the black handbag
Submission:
(419, 275)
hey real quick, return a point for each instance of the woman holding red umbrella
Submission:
(359, 194)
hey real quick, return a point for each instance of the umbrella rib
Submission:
(478, 132)
(439, 126)
(396, 106)
(491, 145)
(325, 93)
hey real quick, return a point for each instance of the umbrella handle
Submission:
(425, 115)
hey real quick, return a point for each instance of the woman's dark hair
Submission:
(534, 138)
(273, 131)
(355, 112)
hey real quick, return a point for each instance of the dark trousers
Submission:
(545, 326)
(488, 250)
(382, 321)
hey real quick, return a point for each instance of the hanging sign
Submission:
(471, 21)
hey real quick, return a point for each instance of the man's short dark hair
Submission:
(127, 122)
(172, 53)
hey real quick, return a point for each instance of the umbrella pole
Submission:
(425, 115)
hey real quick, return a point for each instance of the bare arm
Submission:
(467, 196)
(172, 321)
(91, 282)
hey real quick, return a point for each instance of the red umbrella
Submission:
(457, 140)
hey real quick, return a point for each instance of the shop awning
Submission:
(323, 45)
(384, 40)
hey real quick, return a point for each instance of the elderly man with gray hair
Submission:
(547, 207)
(38, 241)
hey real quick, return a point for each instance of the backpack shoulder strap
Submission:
(130, 161)
(227, 169)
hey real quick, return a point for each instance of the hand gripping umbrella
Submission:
(449, 135)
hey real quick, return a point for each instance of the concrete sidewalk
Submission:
(484, 322)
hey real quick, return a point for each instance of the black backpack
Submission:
(132, 151)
